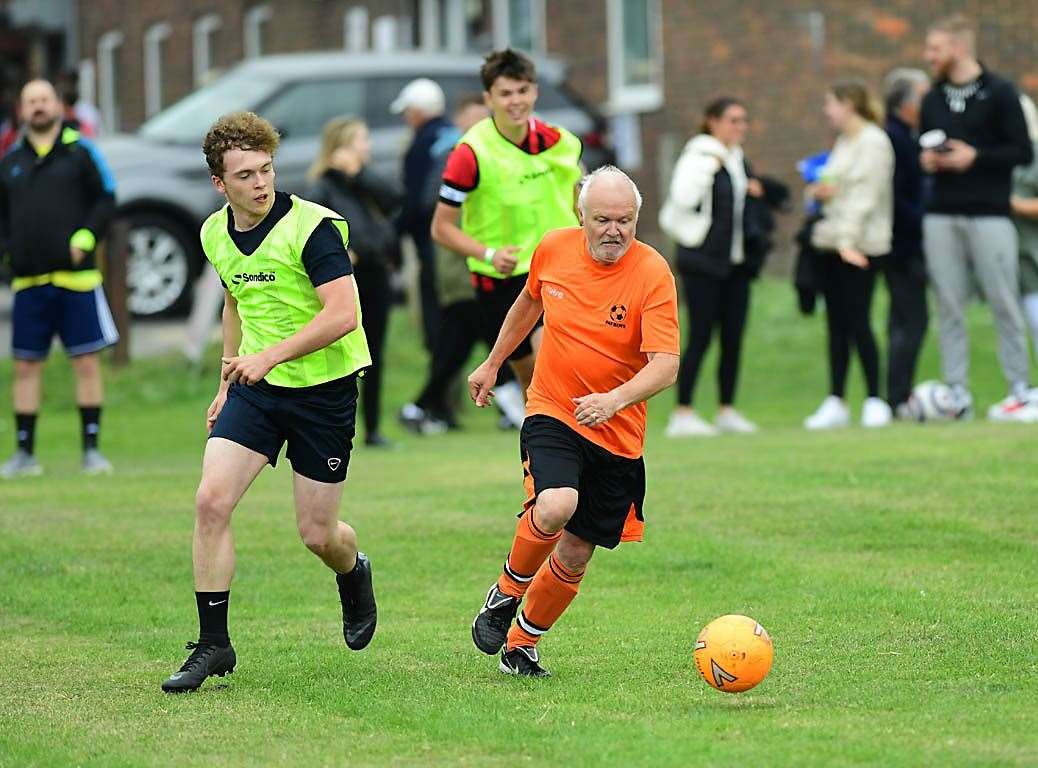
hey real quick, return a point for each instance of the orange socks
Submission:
(529, 548)
(551, 592)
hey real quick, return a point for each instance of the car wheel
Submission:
(160, 267)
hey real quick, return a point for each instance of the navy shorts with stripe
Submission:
(318, 424)
(81, 318)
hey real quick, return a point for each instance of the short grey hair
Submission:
(899, 87)
(612, 170)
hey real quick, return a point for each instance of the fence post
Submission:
(117, 249)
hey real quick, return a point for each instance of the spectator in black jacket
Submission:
(341, 180)
(422, 104)
(905, 267)
(56, 200)
(705, 212)
(977, 127)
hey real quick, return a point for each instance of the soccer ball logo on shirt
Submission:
(617, 315)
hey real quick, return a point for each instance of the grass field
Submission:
(896, 571)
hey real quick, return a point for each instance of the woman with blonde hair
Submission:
(341, 179)
(856, 229)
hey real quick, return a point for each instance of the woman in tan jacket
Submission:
(856, 193)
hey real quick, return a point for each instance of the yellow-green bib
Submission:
(520, 196)
(276, 298)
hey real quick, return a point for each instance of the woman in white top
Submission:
(705, 214)
(856, 192)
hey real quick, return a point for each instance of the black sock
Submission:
(90, 415)
(212, 618)
(25, 431)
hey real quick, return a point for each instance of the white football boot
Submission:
(831, 414)
(730, 420)
(875, 413)
(689, 424)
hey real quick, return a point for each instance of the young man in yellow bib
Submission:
(293, 346)
(510, 179)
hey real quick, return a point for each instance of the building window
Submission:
(154, 38)
(635, 55)
(256, 19)
(384, 33)
(202, 37)
(519, 24)
(355, 29)
(108, 46)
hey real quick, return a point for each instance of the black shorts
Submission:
(495, 298)
(318, 423)
(610, 488)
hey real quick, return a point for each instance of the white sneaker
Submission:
(509, 398)
(688, 424)
(730, 420)
(831, 414)
(1013, 409)
(875, 413)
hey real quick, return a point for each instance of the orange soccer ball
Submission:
(733, 653)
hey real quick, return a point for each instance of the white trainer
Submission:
(831, 414)
(730, 420)
(875, 413)
(509, 398)
(1014, 409)
(688, 424)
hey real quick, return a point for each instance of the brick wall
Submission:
(774, 54)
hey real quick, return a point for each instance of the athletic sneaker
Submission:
(21, 464)
(1014, 409)
(491, 625)
(730, 420)
(522, 661)
(875, 413)
(509, 398)
(94, 463)
(411, 417)
(831, 414)
(688, 424)
(205, 661)
(359, 612)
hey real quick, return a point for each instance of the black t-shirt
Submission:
(324, 256)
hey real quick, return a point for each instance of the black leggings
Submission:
(848, 301)
(721, 301)
(375, 298)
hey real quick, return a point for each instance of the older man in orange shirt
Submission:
(611, 341)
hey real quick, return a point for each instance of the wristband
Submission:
(488, 255)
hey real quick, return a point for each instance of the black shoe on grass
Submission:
(205, 661)
(357, 595)
(522, 661)
(491, 625)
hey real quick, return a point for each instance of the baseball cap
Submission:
(421, 93)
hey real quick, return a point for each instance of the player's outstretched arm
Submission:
(338, 316)
(659, 373)
(519, 321)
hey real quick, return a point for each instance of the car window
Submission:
(384, 89)
(187, 120)
(302, 109)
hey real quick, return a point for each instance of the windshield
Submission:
(187, 121)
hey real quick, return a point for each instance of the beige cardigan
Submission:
(861, 213)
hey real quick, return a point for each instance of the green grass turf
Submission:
(895, 570)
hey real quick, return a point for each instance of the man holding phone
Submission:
(967, 228)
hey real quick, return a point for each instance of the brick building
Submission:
(648, 64)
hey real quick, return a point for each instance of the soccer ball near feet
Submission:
(733, 653)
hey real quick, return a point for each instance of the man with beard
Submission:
(974, 134)
(611, 341)
(57, 197)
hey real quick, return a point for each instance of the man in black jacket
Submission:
(56, 199)
(422, 104)
(967, 228)
(905, 268)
